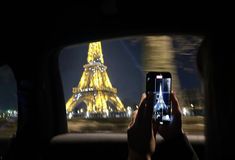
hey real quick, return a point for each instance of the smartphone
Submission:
(159, 85)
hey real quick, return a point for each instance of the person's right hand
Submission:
(174, 128)
(176, 142)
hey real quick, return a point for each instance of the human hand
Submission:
(174, 128)
(142, 132)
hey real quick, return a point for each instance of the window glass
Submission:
(104, 80)
(8, 103)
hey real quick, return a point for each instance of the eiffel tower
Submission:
(160, 105)
(95, 88)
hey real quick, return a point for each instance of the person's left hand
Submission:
(141, 132)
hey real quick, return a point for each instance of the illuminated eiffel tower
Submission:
(95, 88)
(160, 105)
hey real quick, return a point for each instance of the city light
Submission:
(129, 111)
(8, 114)
(87, 115)
(70, 115)
(184, 111)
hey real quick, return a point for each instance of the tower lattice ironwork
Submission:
(95, 88)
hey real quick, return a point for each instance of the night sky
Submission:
(123, 59)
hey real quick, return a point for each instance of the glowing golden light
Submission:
(95, 88)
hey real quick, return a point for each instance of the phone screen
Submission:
(159, 84)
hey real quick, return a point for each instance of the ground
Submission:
(191, 125)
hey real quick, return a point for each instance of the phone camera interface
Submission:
(162, 104)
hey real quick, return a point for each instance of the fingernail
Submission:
(143, 95)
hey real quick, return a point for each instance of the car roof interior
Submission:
(33, 38)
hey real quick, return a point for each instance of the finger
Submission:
(175, 104)
(133, 117)
(149, 107)
(155, 128)
(142, 98)
(141, 109)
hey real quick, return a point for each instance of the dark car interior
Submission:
(33, 38)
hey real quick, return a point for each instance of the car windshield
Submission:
(104, 80)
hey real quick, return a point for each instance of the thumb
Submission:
(175, 104)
